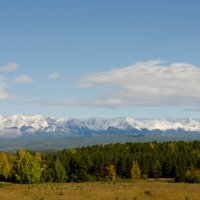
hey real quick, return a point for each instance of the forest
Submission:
(179, 161)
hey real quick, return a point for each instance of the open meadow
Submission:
(121, 190)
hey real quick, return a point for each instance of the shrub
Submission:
(192, 176)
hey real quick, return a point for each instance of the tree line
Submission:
(178, 160)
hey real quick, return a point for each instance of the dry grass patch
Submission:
(122, 190)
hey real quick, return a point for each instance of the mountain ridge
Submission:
(24, 125)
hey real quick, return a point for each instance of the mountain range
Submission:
(38, 125)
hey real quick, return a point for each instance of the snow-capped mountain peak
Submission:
(21, 125)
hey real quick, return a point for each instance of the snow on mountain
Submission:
(20, 125)
(189, 125)
(18, 121)
(100, 124)
(160, 124)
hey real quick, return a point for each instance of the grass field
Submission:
(122, 190)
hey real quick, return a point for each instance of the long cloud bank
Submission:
(150, 83)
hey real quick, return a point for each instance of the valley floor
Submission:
(122, 190)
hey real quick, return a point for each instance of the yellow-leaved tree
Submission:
(135, 170)
(27, 167)
(111, 172)
(5, 165)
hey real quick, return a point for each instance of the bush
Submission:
(192, 176)
(144, 177)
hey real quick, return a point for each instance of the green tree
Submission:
(122, 167)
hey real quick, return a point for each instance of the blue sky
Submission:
(74, 58)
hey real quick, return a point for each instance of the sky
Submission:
(92, 58)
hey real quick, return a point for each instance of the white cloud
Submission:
(2, 86)
(53, 76)
(10, 67)
(23, 79)
(3, 95)
(193, 109)
(150, 83)
(4, 80)
(109, 103)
